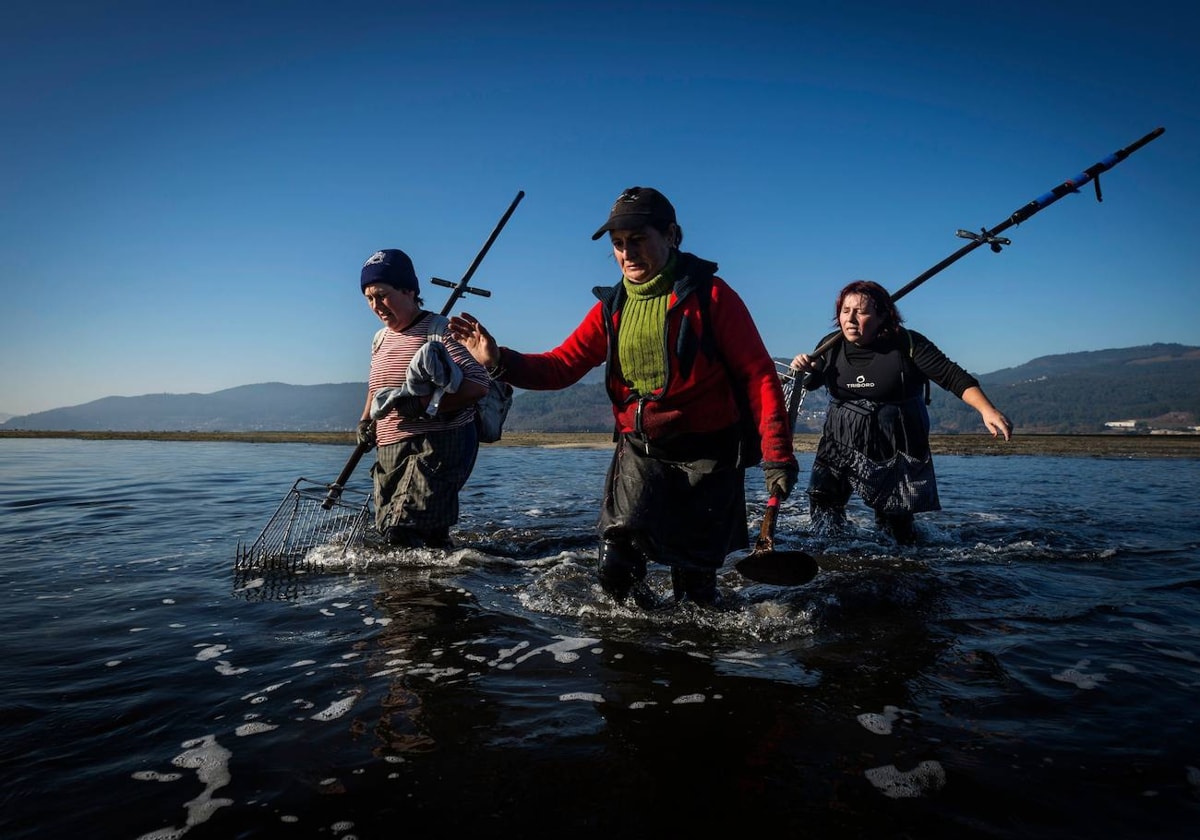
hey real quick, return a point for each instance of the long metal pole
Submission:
(990, 237)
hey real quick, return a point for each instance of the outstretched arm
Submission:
(993, 418)
(471, 334)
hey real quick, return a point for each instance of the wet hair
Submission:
(885, 307)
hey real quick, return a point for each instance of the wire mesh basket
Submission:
(793, 390)
(307, 518)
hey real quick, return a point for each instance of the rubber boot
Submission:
(437, 538)
(826, 519)
(696, 585)
(621, 566)
(898, 525)
(401, 537)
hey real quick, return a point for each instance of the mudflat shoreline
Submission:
(1097, 446)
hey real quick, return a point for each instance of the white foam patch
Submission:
(581, 695)
(926, 777)
(881, 724)
(1078, 677)
(337, 709)
(688, 698)
(257, 583)
(211, 762)
(742, 656)
(563, 651)
(254, 729)
(505, 653)
(210, 652)
(435, 674)
(225, 669)
(154, 776)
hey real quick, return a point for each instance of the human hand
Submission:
(804, 362)
(467, 331)
(365, 434)
(997, 423)
(781, 478)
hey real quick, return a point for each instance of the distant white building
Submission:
(1123, 424)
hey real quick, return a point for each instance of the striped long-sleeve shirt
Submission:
(390, 358)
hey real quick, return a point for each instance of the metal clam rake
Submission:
(314, 515)
(310, 516)
(794, 391)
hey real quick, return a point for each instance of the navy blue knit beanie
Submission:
(392, 267)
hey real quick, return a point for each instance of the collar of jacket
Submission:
(691, 272)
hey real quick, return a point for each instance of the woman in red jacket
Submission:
(690, 382)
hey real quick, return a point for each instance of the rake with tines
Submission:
(306, 519)
(314, 515)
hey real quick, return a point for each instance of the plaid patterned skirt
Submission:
(418, 479)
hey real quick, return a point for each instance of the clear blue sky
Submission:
(188, 191)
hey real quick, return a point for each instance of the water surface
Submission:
(1031, 669)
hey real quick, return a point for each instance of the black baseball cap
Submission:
(638, 207)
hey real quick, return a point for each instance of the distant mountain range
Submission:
(1156, 386)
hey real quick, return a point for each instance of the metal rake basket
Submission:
(793, 390)
(308, 517)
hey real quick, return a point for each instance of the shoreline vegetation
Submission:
(1097, 446)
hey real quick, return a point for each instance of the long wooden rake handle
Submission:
(335, 489)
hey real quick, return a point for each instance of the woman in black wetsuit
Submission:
(876, 435)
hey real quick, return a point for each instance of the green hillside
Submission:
(1074, 393)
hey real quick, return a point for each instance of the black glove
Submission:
(365, 433)
(781, 478)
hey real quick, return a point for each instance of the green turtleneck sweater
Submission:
(640, 343)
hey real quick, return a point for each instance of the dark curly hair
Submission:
(884, 305)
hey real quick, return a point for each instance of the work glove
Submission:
(781, 478)
(365, 434)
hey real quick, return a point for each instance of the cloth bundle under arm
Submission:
(431, 371)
